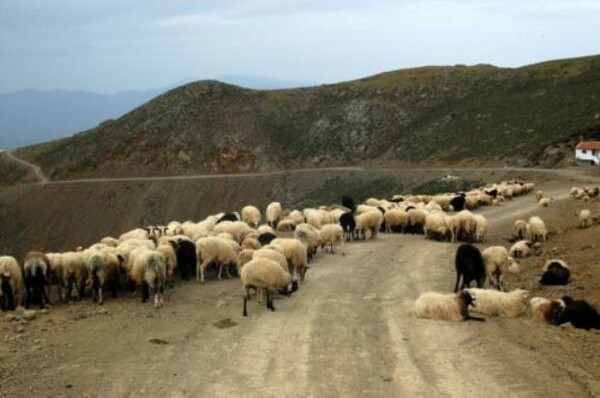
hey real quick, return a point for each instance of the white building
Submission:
(588, 151)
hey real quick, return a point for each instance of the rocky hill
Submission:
(430, 116)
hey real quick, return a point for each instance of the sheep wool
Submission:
(504, 304)
(265, 274)
(444, 307)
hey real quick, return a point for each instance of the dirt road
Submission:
(348, 331)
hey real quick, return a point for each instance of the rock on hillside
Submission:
(429, 115)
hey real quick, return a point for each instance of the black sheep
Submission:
(229, 217)
(458, 202)
(7, 299)
(469, 265)
(555, 274)
(580, 313)
(348, 224)
(266, 238)
(185, 251)
(348, 202)
(35, 272)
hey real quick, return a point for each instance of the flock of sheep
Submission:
(270, 260)
(494, 262)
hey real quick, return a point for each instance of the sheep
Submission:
(264, 229)
(520, 229)
(536, 229)
(331, 234)
(309, 236)
(104, 269)
(36, 267)
(371, 221)
(445, 307)
(435, 226)
(168, 250)
(497, 263)
(265, 238)
(504, 304)
(237, 229)
(545, 310)
(466, 225)
(313, 217)
(348, 203)
(148, 270)
(286, 224)
(138, 233)
(416, 220)
(580, 314)
(539, 195)
(251, 216)
(74, 273)
(556, 272)
(110, 241)
(244, 256)
(348, 224)
(273, 213)
(11, 282)
(469, 264)
(215, 250)
(524, 248)
(544, 202)
(480, 230)
(185, 252)
(235, 216)
(295, 253)
(585, 219)
(458, 202)
(396, 220)
(263, 274)
(251, 243)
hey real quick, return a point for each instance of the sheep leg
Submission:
(100, 300)
(200, 271)
(270, 301)
(227, 271)
(145, 291)
(456, 284)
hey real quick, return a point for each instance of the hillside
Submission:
(431, 116)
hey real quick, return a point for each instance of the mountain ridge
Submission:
(429, 115)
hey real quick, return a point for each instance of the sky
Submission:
(113, 45)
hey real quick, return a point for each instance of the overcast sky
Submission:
(112, 45)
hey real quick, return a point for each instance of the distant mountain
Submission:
(33, 116)
(434, 115)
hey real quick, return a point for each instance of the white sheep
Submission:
(110, 241)
(520, 229)
(480, 230)
(545, 310)
(215, 250)
(168, 251)
(585, 219)
(104, 269)
(445, 307)
(237, 229)
(545, 202)
(416, 220)
(309, 236)
(497, 263)
(138, 233)
(371, 221)
(536, 230)
(539, 195)
(332, 235)
(504, 304)
(148, 270)
(74, 273)
(314, 217)
(524, 248)
(263, 274)
(10, 276)
(263, 229)
(295, 254)
(273, 213)
(466, 225)
(251, 216)
(395, 218)
(435, 226)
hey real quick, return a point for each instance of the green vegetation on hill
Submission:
(432, 115)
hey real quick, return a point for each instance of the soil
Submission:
(348, 331)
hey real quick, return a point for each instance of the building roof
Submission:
(593, 145)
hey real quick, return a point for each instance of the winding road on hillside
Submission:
(574, 173)
(348, 332)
